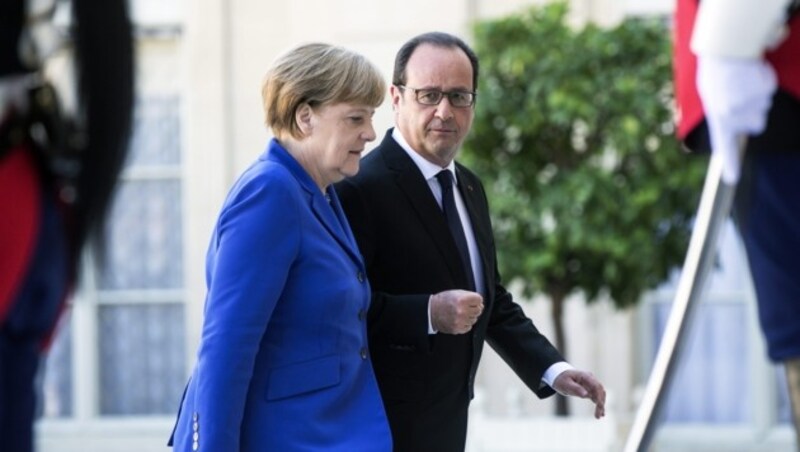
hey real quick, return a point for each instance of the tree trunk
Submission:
(562, 404)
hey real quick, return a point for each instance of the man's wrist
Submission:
(552, 372)
(431, 328)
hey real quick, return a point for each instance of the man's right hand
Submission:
(455, 311)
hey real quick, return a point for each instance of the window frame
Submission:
(764, 431)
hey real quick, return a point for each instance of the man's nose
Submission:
(443, 109)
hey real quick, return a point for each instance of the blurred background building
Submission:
(124, 350)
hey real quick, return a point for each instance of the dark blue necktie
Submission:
(445, 179)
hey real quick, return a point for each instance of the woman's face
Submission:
(337, 137)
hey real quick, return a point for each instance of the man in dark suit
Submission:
(431, 260)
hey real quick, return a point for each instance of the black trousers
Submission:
(18, 365)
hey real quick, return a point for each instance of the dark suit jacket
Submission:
(426, 381)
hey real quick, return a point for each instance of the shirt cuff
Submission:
(431, 330)
(554, 371)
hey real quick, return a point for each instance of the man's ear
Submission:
(395, 93)
(302, 116)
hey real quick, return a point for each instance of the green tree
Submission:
(574, 139)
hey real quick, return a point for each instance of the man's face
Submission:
(434, 131)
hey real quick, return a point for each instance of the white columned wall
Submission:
(206, 117)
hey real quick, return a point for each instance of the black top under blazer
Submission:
(426, 381)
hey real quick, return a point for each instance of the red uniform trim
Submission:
(19, 221)
(786, 59)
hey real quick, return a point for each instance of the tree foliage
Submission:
(574, 139)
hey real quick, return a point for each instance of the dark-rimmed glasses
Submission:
(432, 96)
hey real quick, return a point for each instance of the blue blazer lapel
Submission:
(350, 243)
(329, 214)
(332, 218)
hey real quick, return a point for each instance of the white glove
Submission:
(737, 95)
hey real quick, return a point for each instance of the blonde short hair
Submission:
(317, 74)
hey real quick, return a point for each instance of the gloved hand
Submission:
(736, 96)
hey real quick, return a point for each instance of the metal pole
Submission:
(715, 205)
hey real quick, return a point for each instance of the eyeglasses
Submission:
(432, 96)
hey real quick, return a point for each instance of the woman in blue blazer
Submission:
(283, 363)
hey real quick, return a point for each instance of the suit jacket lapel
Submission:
(329, 214)
(481, 227)
(418, 193)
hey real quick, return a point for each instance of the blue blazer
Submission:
(283, 363)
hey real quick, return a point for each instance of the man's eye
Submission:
(356, 119)
(429, 96)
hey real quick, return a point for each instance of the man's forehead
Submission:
(439, 67)
(428, 51)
